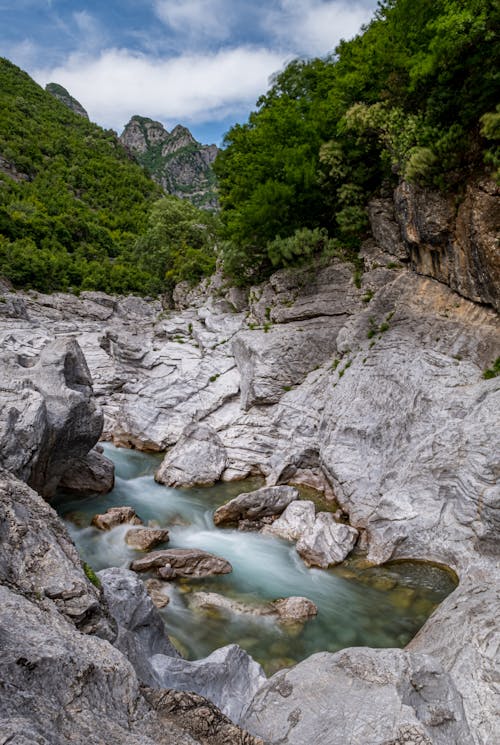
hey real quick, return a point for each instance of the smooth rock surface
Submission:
(182, 562)
(327, 542)
(91, 474)
(297, 519)
(198, 459)
(295, 608)
(265, 502)
(115, 516)
(228, 677)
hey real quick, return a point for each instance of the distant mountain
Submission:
(176, 161)
(62, 95)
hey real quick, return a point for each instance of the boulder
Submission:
(141, 631)
(198, 459)
(48, 416)
(265, 502)
(295, 609)
(182, 562)
(91, 474)
(144, 539)
(327, 542)
(115, 516)
(228, 677)
(297, 519)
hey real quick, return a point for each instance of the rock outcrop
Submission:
(91, 474)
(327, 542)
(62, 95)
(48, 417)
(180, 164)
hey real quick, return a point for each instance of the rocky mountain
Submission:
(378, 390)
(180, 164)
(62, 95)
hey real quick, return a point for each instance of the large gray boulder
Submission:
(48, 417)
(253, 506)
(294, 522)
(198, 459)
(228, 677)
(141, 631)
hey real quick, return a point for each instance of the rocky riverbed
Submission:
(370, 389)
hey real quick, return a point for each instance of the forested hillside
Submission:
(72, 202)
(414, 96)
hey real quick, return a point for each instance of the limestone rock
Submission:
(182, 562)
(213, 600)
(48, 418)
(198, 716)
(115, 516)
(228, 677)
(374, 696)
(141, 631)
(297, 519)
(295, 609)
(327, 542)
(198, 459)
(265, 502)
(59, 92)
(144, 539)
(458, 247)
(91, 474)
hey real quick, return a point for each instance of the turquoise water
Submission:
(358, 605)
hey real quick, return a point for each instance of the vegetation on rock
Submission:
(413, 96)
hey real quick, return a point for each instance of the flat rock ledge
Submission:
(286, 610)
(253, 506)
(173, 563)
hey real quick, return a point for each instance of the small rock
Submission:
(327, 542)
(144, 539)
(182, 562)
(255, 505)
(156, 591)
(295, 609)
(212, 600)
(115, 516)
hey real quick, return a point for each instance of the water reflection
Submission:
(358, 605)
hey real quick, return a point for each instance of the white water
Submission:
(353, 610)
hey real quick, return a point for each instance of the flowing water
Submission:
(358, 605)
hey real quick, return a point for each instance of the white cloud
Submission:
(313, 27)
(187, 89)
(196, 19)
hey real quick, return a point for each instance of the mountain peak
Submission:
(59, 92)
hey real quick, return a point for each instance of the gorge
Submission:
(368, 388)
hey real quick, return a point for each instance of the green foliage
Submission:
(72, 203)
(493, 371)
(91, 575)
(413, 96)
(179, 242)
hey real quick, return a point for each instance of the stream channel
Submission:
(357, 605)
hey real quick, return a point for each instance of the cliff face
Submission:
(454, 240)
(175, 159)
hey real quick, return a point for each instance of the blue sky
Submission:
(201, 63)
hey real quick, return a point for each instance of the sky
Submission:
(200, 63)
